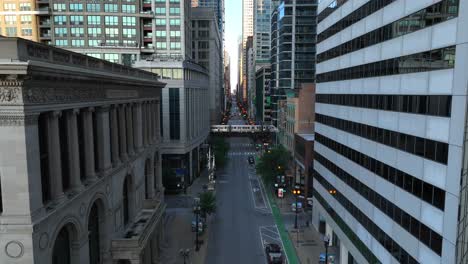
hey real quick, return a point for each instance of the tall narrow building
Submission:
(390, 130)
(293, 37)
(218, 7)
(247, 31)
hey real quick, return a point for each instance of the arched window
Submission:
(61, 252)
(94, 235)
(125, 201)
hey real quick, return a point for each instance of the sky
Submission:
(233, 31)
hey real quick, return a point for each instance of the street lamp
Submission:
(184, 253)
(326, 240)
(296, 192)
(197, 210)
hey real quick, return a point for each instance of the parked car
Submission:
(274, 254)
(251, 160)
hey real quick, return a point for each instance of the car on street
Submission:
(251, 160)
(274, 254)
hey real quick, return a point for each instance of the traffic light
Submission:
(332, 192)
(296, 192)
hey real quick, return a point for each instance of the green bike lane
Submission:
(288, 246)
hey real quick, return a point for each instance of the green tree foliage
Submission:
(220, 149)
(207, 203)
(273, 163)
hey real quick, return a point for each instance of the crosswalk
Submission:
(241, 145)
(243, 153)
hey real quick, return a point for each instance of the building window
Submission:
(111, 8)
(174, 11)
(25, 6)
(160, 33)
(94, 20)
(9, 7)
(60, 7)
(10, 20)
(174, 22)
(129, 21)
(203, 34)
(175, 45)
(94, 32)
(203, 44)
(26, 32)
(11, 32)
(60, 32)
(44, 155)
(129, 32)
(160, 22)
(160, 10)
(26, 20)
(77, 32)
(174, 114)
(204, 24)
(93, 7)
(61, 42)
(174, 1)
(93, 42)
(95, 55)
(112, 57)
(60, 20)
(111, 20)
(128, 8)
(112, 32)
(76, 7)
(175, 33)
(76, 20)
(161, 45)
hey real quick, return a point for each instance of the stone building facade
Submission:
(80, 166)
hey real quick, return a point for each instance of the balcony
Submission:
(141, 230)
(43, 10)
(45, 36)
(148, 14)
(147, 26)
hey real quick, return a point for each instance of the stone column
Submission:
(55, 164)
(73, 151)
(144, 124)
(137, 125)
(158, 121)
(88, 139)
(150, 187)
(122, 133)
(103, 139)
(155, 120)
(129, 115)
(158, 171)
(152, 121)
(114, 130)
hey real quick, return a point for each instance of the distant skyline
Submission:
(233, 31)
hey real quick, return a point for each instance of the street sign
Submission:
(280, 192)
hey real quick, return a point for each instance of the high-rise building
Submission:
(207, 51)
(390, 131)
(293, 34)
(218, 8)
(117, 32)
(262, 31)
(20, 19)
(247, 31)
(262, 96)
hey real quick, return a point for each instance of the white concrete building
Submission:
(390, 129)
(185, 116)
(80, 166)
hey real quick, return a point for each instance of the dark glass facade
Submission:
(427, 17)
(423, 190)
(174, 113)
(399, 216)
(437, 59)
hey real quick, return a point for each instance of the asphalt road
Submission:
(243, 221)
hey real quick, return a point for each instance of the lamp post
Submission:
(296, 192)
(196, 210)
(184, 253)
(326, 240)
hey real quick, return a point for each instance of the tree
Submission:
(220, 150)
(272, 163)
(207, 203)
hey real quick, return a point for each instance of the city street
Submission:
(243, 220)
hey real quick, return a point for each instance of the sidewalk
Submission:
(178, 230)
(308, 243)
